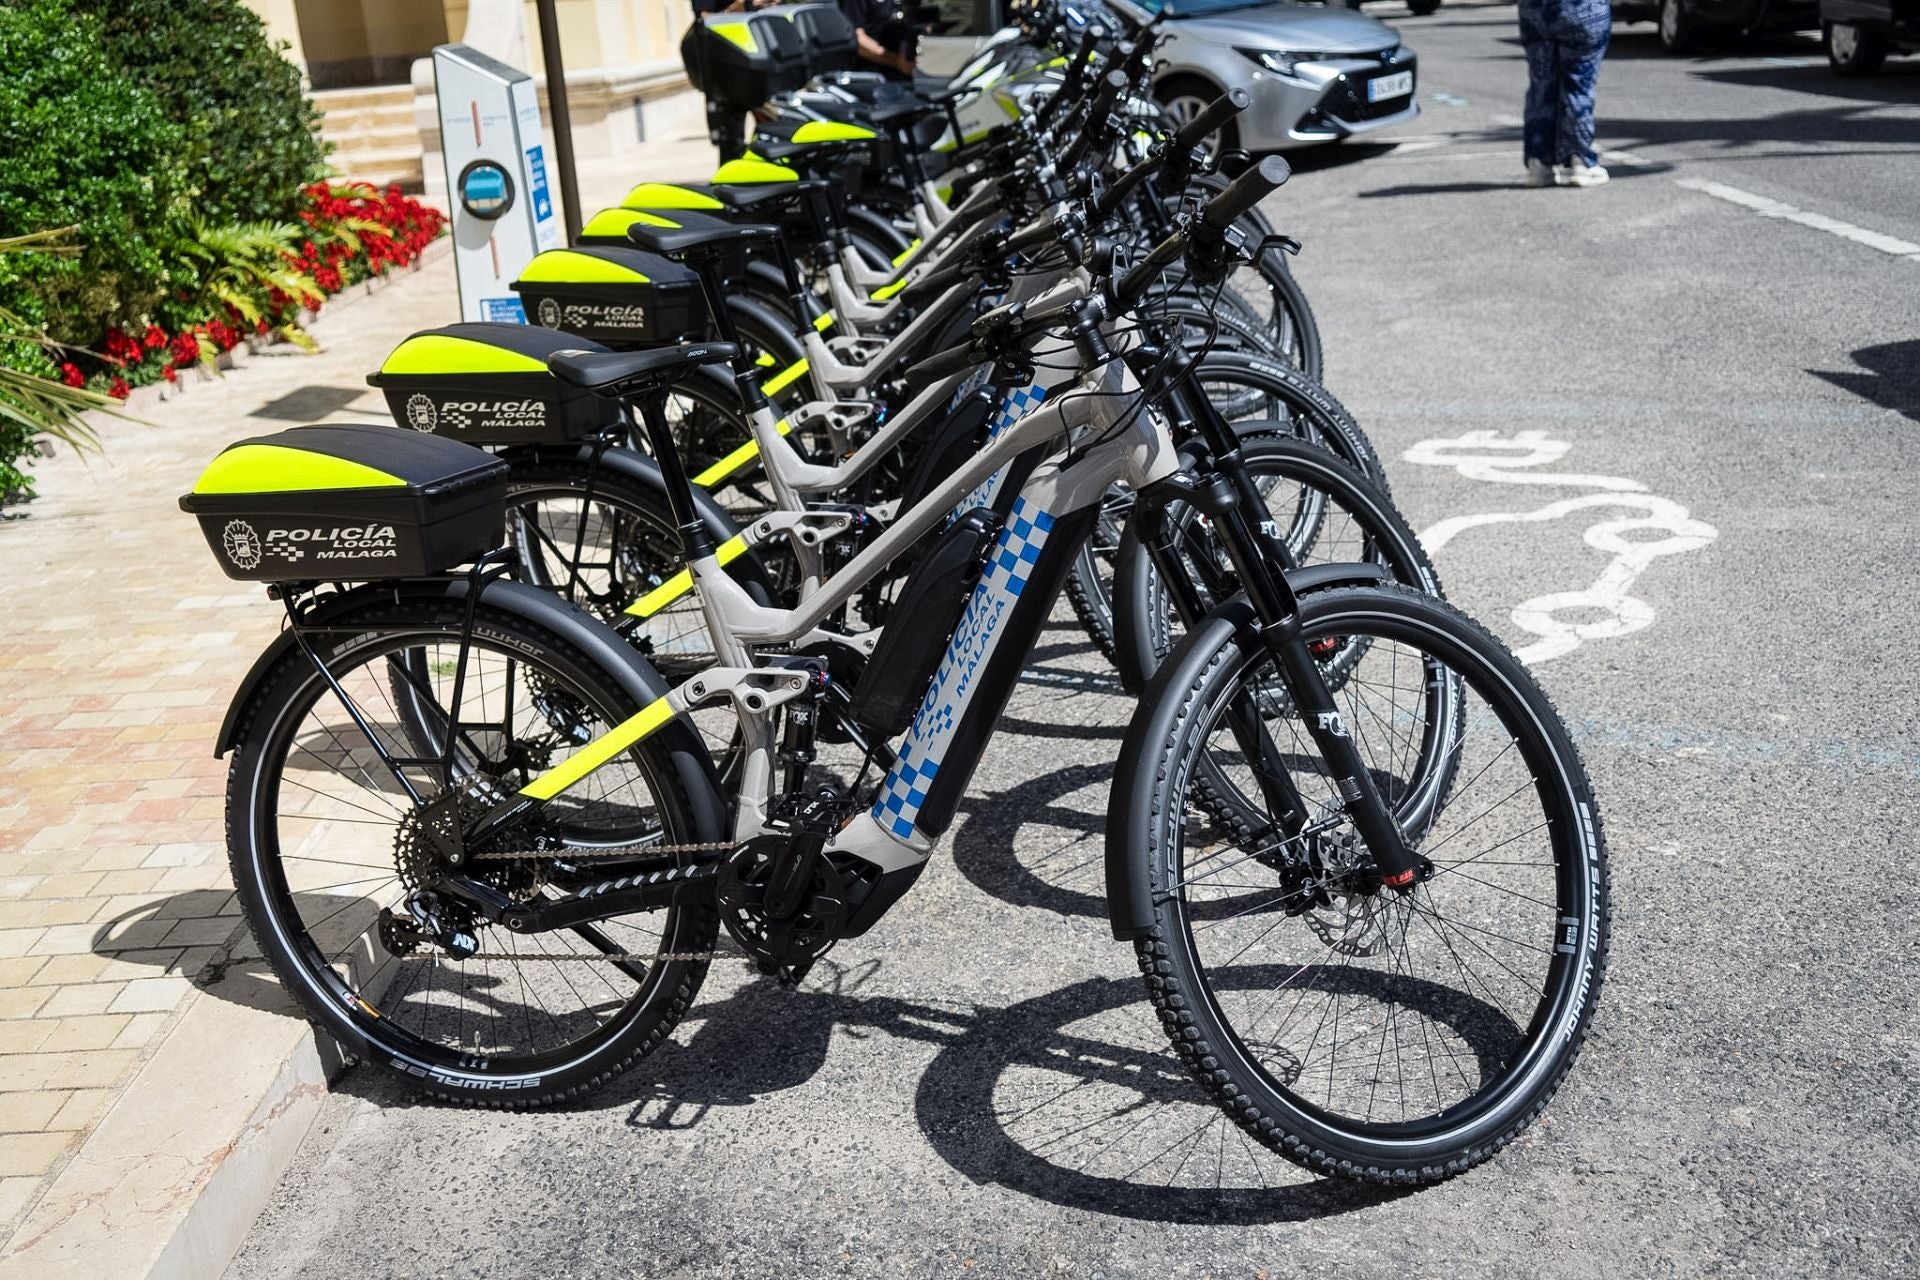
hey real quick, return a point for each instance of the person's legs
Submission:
(1581, 39)
(1541, 114)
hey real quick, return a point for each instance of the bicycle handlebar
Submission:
(1218, 112)
(1082, 58)
(1248, 190)
(1112, 85)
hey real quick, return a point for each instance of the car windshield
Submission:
(1200, 8)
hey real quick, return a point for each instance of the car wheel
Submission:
(1185, 97)
(1422, 8)
(1676, 27)
(1852, 51)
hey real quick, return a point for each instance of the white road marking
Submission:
(1489, 456)
(1767, 207)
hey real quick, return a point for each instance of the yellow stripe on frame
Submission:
(734, 461)
(601, 750)
(682, 582)
(785, 378)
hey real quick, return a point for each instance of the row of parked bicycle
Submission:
(672, 627)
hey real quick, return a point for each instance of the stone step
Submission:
(376, 117)
(386, 95)
(384, 138)
(382, 166)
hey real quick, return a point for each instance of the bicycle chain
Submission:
(657, 957)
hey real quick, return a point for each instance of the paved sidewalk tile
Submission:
(120, 645)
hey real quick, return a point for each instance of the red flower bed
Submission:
(355, 232)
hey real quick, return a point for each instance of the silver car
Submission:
(1315, 74)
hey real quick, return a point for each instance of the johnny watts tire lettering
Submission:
(1639, 529)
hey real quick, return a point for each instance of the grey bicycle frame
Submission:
(1110, 440)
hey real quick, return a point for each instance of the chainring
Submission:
(801, 938)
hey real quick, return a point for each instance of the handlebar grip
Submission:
(1218, 112)
(933, 285)
(1076, 72)
(944, 364)
(1248, 190)
(1111, 87)
(1119, 189)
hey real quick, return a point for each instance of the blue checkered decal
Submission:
(904, 793)
(1016, 405)
(1005, 577)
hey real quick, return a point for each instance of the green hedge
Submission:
(84, 147)
(249, 130)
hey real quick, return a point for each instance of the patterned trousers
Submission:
(1565, 41)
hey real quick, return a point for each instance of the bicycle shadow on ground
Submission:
(1072, 1097)
(1889, 376)
(1103, 1119)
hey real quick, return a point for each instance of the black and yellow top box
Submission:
(348, 504)
(622, 297)
(488, 384)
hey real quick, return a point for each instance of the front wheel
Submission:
(1386, 1037)
(1853, 51)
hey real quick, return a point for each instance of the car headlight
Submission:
(1281, 63)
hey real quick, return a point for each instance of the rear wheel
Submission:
(1250, 390)
(323, 836)
(1264, 399)
(1392, 1038)
(606, 554)
(1676, 27)
(1325, 512)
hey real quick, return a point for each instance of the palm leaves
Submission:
(43, 406)
(245, 261)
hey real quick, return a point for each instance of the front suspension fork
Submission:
(1259, 559)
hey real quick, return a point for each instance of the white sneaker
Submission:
(1579, 174)
(1539, 174)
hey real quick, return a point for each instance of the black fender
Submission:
(1132, 838)
(642, 472)
(776, 327)
(880, 233)
(599, 643)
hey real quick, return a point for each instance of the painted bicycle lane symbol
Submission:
(1645, 528)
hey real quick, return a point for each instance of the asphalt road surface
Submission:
(1741, 385)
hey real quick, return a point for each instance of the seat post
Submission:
(746, 378)
(695, 542)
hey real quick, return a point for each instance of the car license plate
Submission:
(1397, 85)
